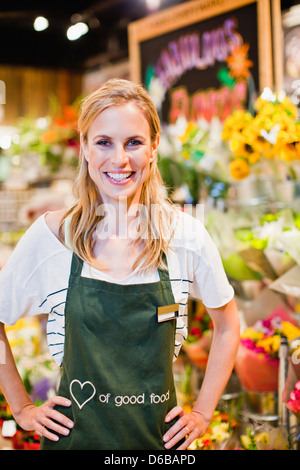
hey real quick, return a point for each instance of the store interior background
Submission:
(39, 66)
(26, 54)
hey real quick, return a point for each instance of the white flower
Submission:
(165, 146)
(157, 92)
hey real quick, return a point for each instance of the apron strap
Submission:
(77, 263)
(76, 266)
(164, 273)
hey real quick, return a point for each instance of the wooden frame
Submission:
(194, 11)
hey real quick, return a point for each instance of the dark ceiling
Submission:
(106, 39)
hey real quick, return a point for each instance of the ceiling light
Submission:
(74, 32)
(153, 4)
(40, 23)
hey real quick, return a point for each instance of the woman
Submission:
(114, 273)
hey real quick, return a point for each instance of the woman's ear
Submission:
(84, 148)
(154, 148)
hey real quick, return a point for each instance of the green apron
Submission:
(117, 366)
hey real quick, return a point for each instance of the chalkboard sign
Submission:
(203, 58)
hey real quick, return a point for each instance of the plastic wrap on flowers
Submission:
(256, 372)
(295, 357)
(257, 359)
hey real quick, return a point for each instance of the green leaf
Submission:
(225, 78)
(236, 268)
(197, 155)
(149, 75)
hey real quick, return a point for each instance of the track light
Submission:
(77, 30)
(40, 23)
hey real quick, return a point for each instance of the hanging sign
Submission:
(203, 58)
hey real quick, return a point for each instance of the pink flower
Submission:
(294, 402)
(250, 344)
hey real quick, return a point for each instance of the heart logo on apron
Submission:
(88, 395)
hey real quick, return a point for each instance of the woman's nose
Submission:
(119, 156)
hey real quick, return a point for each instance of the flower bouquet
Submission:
(218, 433)
(32, 441)
(267, 142)
(26, 440)
(37, 368)
(293, 404)
(193, 158)
(5, 412)
(257, 359)
(199, 339)
(273, 439)
(254, 246)
(46, 145)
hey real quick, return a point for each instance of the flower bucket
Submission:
(256, 372)
(17, 440)
(196, 353)
(261, 403)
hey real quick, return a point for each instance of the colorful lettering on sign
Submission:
(197, 51)
(207, 103)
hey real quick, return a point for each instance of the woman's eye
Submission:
(103, 142)
(134, 142)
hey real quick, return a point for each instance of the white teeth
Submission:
(119, 176)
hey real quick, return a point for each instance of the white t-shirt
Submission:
(35, 278)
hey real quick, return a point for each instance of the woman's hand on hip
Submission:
(190, 425)
(44, 419)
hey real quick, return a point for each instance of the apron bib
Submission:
(117, 366)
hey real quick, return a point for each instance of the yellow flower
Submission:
(250, 333)
(289, 330)
(237, 144)
(220, 432)
(236, 123)
(264, 107)
(253, 157)
(270, 344)
(191, 126)
(289, 107)
(239, 169)
(185, 155)
(273, 133)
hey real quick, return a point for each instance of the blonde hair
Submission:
(156, 218)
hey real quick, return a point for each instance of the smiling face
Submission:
(119, 151)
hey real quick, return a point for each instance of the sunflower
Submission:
(239, 169)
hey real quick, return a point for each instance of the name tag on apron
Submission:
(167, 312)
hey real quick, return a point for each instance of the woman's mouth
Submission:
(119, 177)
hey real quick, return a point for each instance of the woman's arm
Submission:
(27, 415)
(226, 336)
